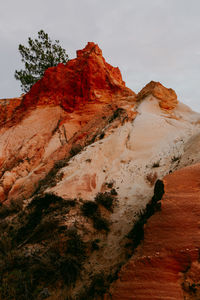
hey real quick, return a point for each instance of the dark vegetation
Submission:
(101, 135)
(106, 199)
(76, 148)
(7, 210)
(99, 285)
(117, 113)
(36, 251)
(101, 223)
(91, 210)
(136, 235)
(175, 158)
(156, 165)
(52, 177)
(40, 55)
(95, 245)
(109, 185)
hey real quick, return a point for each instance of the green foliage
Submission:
(40, 54)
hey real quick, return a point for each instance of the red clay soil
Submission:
(166, 265)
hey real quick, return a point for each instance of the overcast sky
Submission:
(147, 39)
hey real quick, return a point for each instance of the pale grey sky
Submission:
(147, 39)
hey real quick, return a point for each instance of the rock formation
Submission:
(166, 265)
(84, 79)
(167, 97)
(79, 157)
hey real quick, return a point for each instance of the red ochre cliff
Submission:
(85, 78)
(167, 263)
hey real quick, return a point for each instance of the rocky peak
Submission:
(167, 97)
(83, 79)
(90, 48)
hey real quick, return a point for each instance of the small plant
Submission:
(113, 192)
(101, 135)
(105, 199)
(95, 245)
(89, 208)
(44, 201)
(70, 269)
(76, 148)
(76, 247)
(137, 232)
(88, 160)
(12, 208)
(116, 114)
(175, 158)
(151, 178)
(101, 223)
(109, 185)
(156, 165)
(98, 286)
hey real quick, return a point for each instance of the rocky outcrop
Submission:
(69, 105)
(8, 109)
(79, 157)
(84, 79)
(166, 264)
(167, 97)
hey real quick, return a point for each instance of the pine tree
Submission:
(40, 54)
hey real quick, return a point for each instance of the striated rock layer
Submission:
(166, 265)
(79, 132)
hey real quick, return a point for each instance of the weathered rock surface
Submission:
(69, 105)
(84, 79)
(166, 265)
(79, 132)
(167, 97)
(8, 109)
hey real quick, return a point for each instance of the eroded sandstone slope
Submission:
(69, 106)
(79, 157)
